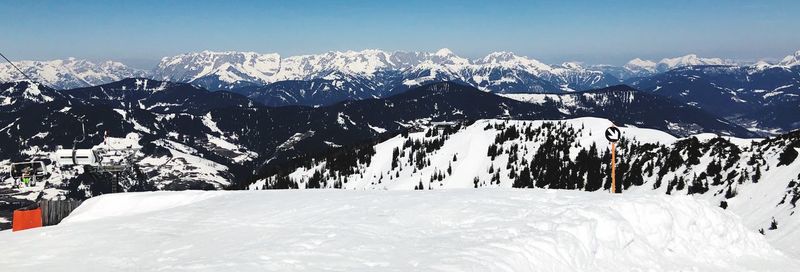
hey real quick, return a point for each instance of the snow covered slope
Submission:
(464, 153)
(457, 230)
(756, 179)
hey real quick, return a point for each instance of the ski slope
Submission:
(440, 230)
(462, 159)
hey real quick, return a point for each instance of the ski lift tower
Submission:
(116, 161)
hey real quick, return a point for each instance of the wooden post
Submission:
(613, 168)
(53, 211)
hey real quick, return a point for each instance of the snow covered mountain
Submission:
(390, 72)
(572, 76)
(790, 60)
(762, 98)
(229, 68)
(376, 73)
(638, 67)
(68, 73)
(689, 60)
(18, 95)
(754, 178)
(332, 77)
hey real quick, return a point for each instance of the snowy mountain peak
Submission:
(791, 60)
(446, 57)
(229, 66)
(444, 52)
(638, 64)
(689, 60)
(511, 60)
(761, 65)
(498, 57)
(572, 65)
(17, 94)
(26, 88)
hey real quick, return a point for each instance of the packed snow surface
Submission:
(345, 230)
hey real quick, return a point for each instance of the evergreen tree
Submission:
(395, 154)
(681, 184)
(788, 155)
(315, 181)
(523, 180)
(757, 174)
(730, 192)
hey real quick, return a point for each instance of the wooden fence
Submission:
(53, 211)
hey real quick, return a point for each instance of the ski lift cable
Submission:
(18, 70)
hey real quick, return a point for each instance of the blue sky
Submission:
(140, 32)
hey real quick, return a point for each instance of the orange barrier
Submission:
(26, 219)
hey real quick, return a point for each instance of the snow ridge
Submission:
(458, 230)
(638, 65)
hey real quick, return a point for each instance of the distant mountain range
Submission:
(69, 73)
(497, 72)
(760, 96)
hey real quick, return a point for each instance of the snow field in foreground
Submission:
(446, 230)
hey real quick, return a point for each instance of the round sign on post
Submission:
(612, 135)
